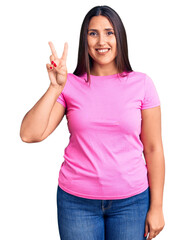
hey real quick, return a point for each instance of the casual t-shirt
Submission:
(103, 159)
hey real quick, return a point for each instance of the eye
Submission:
(92, 33)
(110, 33)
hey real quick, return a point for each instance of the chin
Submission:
(104, 62)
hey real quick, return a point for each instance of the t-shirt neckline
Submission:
(107, 76)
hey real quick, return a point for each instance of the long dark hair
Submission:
(85, 61)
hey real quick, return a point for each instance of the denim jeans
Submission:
(93, 219)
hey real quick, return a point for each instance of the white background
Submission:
(29, 172)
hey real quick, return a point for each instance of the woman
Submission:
(105, 189)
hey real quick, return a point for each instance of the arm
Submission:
(156, 175)
(153, 153)
(154, 156)
(46, 114)
(35, 122)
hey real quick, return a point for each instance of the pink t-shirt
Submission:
(103, 159)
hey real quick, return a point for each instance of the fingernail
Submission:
(50, 67)
(52, 62)
(145, 235)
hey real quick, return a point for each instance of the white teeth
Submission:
(102, 50)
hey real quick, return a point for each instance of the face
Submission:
(101, 41)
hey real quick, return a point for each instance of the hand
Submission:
(154, 222)
(58, 73)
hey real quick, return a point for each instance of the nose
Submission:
(101, 39)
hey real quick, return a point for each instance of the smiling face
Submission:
(102, 42)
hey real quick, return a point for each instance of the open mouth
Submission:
(102, 50)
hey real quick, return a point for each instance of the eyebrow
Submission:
(97, 29)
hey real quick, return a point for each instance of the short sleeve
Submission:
(151, 97)
(61, 99)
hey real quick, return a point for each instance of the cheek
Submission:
(90, 51)
(89, 48)
(113, 41)
(88, 43)
(114, 45)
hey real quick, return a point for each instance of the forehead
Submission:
(99, 22)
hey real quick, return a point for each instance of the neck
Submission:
(101, 70)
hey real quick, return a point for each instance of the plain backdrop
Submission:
(29, 171)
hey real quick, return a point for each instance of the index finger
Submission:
(64, 55)
(53, 49)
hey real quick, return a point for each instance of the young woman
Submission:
(105, 189)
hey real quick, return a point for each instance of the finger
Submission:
(52, 58)
(146, 230)
(151, 235)
(49, 67)
(54, 61)
(64, 55)
(156, 233)
(53, 49)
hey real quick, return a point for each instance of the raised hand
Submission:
(57, 69)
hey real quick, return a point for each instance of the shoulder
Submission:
(136, 74)
(137, 77)
(72, 76)
(76, 81)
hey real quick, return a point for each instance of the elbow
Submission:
(27, 136)
(27, 139)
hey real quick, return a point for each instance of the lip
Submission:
(102, 53)
(101, 48)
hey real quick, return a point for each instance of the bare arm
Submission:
(153, 153)
(46, 114)
(154, 156)
(36, 120)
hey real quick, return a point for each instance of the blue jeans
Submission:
(93, 219)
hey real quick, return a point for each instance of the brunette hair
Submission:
(85, 61)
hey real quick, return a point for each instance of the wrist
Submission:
(57, 88)
(156, 206)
